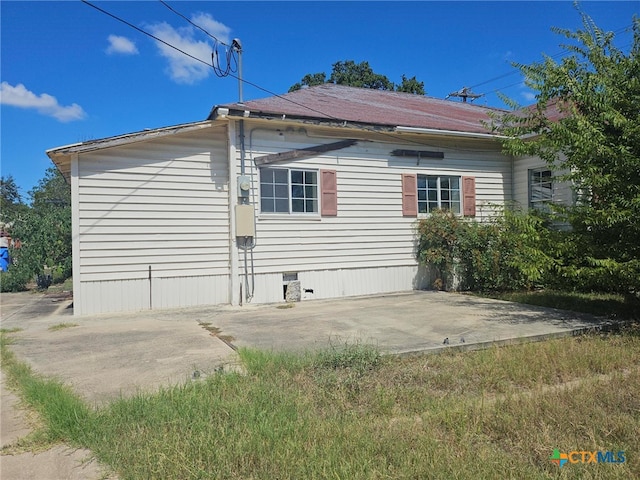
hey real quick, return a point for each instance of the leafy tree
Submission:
(309, 80)
(586, 123)
(11, 205)
(51, 190)
(411, 85)
(359, 75)
(44, 230)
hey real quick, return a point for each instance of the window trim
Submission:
(539, 204)
(438, 193)
(290, 198)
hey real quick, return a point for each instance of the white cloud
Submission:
(121, 45)
(527, 93)
(183, 69)
(215, 28)
(44, 103)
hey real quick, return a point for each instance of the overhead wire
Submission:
(144, 32)
(247, 82)
(230, 55)
(556, 55)
(202, 61)
(228, 71)
(193, 23)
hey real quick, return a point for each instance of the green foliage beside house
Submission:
(43, 229)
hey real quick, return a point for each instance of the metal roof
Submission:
(328, 102)
(374, 107)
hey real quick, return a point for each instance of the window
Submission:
(540, 188)
(438, 192)
(285, 190)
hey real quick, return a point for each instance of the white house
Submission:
(321, 186)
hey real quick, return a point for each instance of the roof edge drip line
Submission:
(127, 138)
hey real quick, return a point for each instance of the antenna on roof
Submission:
(464, 93)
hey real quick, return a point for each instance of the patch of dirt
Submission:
(216, 332)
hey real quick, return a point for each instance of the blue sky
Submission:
(70, 73)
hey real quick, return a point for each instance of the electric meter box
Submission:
(244, 186)
(245, 224)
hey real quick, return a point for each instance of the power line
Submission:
(194, 24)
(258, 87)
(559, 54)
(228, 70)
(215, 55)
(144, 32)
(205, 63)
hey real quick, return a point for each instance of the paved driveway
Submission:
(104, 356)
(397, 323)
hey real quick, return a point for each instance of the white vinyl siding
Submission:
(165, 203)
(156, 208)
(369, 232)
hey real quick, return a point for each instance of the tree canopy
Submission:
(586, 125)
(43, 228)
(359, 75)
(11, 203)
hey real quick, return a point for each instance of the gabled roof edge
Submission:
(126, 138)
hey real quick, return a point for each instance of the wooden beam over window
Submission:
(303, 152)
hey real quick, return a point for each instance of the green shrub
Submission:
(581, 264)
(598, 275)
(505, 253)
(438, 236)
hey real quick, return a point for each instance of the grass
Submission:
(10, 330)
(611, 305)
(350, 413)
(63, 415)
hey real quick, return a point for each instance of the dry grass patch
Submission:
(351, 413)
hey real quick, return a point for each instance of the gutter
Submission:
(224, 113)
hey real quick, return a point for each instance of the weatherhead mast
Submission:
(238, 48)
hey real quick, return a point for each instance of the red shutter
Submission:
(409, 195)
(329, 193)
(469, 196)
